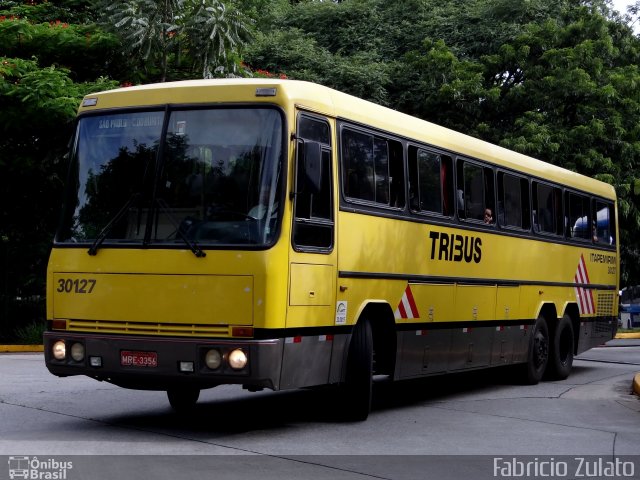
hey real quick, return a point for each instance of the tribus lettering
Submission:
(455, 248)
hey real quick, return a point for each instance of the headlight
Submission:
(77, 352)
(213, 359)
(237, 359)
(59, 350)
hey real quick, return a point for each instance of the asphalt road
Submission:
(446, 427)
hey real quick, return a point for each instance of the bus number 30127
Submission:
(81, 285)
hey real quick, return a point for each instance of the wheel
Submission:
(561, 352)
(183, 398)
(538, 354)
(357, 389)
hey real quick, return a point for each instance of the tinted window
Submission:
(218, 181)
(431, 182)
(313, 209)
(372, 168)
(513, 201)
(603, 223)
(577, 216)
(547, 205)
(475, 192)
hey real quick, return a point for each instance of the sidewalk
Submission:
(636, 379)
(628, 335)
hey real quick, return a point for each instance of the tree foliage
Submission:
(555, 79)
(569, 95)
(157, 33)
(45, 68)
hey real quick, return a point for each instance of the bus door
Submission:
(313, 259)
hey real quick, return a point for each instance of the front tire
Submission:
(182, 399)
(357, 389)
(561, 354)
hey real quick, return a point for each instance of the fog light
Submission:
(77, 352)
(213, 359)
(237, 359)
(95, 361)
(59, 350)
(186, 367)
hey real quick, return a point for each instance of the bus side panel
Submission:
(470, 347)
(507, 302)
(440, 350)
(423, 352)
(595, 332)
(306, 361)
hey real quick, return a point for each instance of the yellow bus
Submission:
(280, 234)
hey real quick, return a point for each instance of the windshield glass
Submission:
(214, 178)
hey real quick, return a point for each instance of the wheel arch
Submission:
(383, 329)
(572, 311)
(549, 312)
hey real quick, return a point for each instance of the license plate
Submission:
(130, 358)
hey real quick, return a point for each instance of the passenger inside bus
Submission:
(488, 216)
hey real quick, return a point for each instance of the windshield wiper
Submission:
(93, 249)
(193, 246)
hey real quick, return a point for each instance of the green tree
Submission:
(158, 33)
(569, 96)
(556, 80)
(39, 97)
(432, 83)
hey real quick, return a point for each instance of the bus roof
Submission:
(336, 104)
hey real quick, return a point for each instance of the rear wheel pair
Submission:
(550, 357)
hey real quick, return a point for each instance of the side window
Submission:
(603, 223)
(547, 209)
(475, 192)
(313, 209)
(430, 182)
(513, 201)
(372, 168)
(578, 222)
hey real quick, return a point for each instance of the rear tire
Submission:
(356, 392)
(561, 352)
(538, 354)
(182, 399)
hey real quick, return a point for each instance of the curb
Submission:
(21, 348)
(628, 335)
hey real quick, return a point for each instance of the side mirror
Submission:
(313, 165)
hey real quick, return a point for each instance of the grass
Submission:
(30, 334)
(629, 330)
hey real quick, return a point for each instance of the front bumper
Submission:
(262, 370)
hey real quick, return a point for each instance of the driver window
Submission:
(313, 210)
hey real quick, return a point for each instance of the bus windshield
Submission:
(208, 176)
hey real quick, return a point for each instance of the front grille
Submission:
(174, 329)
